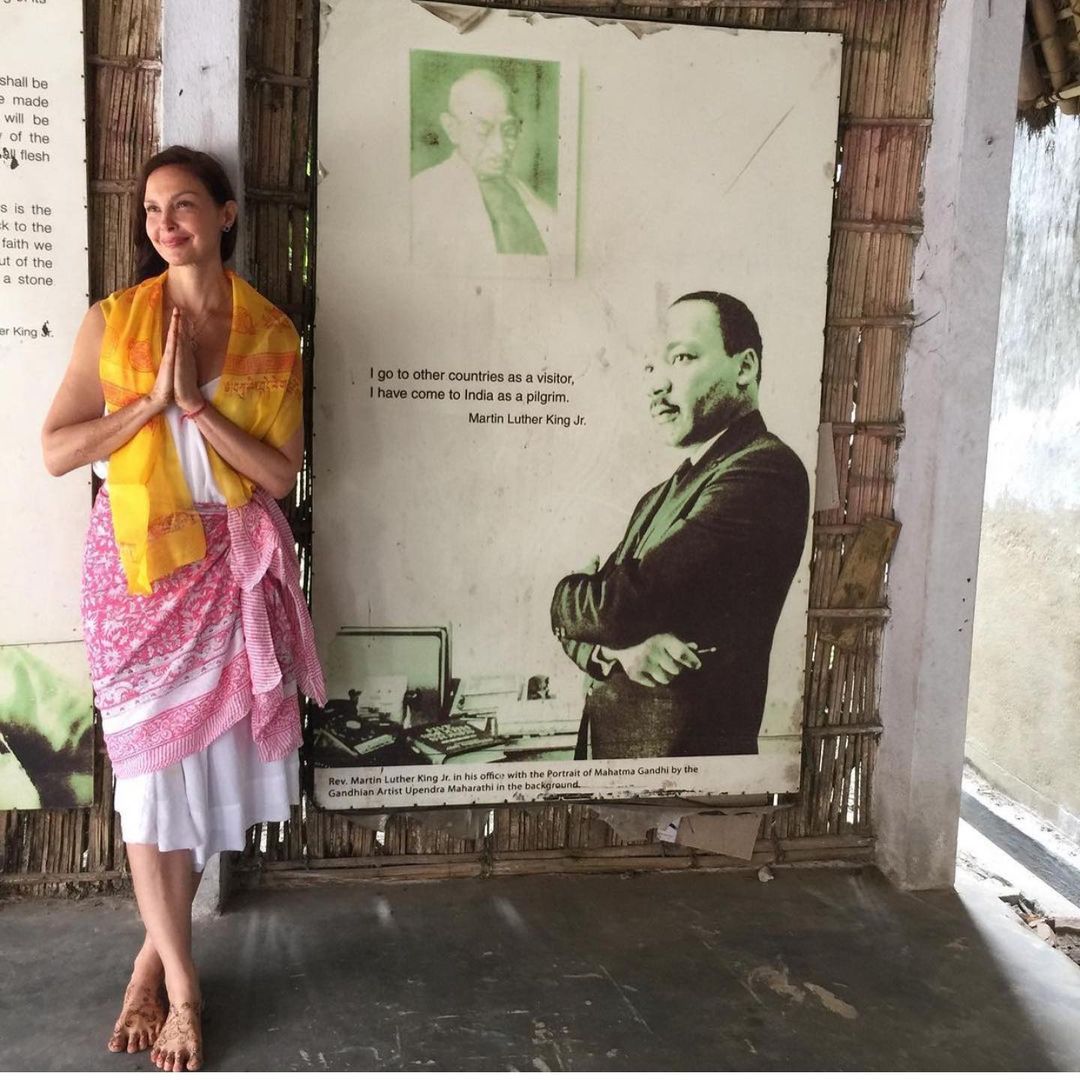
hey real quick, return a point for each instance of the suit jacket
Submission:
(450, 223)
(709, 557)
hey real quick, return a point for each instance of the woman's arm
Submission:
(75, 433)
(274, 470)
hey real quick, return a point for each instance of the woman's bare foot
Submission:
(179, 1046)
(141, 1017)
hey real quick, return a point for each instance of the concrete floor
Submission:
(817, 969)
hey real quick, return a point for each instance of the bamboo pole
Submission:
(1058, 66)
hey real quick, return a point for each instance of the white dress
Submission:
(208, 800)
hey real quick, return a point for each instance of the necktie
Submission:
(670, 489)
(515, 231)
(682, 472)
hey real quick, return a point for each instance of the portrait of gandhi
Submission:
(675, 629)
(478, 161)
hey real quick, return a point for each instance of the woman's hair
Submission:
(148, 263)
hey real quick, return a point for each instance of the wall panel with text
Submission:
(46, 734)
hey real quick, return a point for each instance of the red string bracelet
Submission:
(195, 412)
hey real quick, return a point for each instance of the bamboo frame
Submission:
(1060, 67)
(1050, 62)
(884, 132)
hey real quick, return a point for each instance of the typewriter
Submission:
(450, 739)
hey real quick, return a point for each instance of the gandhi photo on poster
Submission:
(485, 165)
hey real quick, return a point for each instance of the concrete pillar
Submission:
(201, 100)
(939, 484)
(202, 62)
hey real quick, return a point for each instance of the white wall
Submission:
(1024, 709)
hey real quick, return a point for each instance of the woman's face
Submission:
(182, 220)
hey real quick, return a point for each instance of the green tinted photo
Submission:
(46, 728)
(484, 156)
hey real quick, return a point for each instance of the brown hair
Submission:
(207, 169)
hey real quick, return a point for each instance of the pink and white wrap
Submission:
(224, 640)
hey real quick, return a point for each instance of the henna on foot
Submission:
(179, 1046)
(141, 1017)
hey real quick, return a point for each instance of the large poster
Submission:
(46, 720)
(572, 279)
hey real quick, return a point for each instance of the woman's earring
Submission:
(226, 228)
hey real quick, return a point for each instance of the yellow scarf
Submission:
(157, 527)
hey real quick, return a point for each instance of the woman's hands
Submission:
(76, 433)
(178, 363)
(177, 380)
(163, 393)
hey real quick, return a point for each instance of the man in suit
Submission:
(472, 206)
(675, 629)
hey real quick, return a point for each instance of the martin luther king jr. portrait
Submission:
(484, 158)
(676, 627)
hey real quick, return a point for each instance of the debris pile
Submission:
(1062, 932)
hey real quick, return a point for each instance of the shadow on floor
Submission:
(818, 969)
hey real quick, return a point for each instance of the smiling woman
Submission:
(172, 212)
(185, 393)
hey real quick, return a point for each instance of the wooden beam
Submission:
(827, 730)
(131, 63)
(848, 613)
(273, 78)
(870, 320)
(861, 579)
(280, 195)
(886, 121)
(909, 228)
(852, 848)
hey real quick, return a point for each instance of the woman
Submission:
(185, 390)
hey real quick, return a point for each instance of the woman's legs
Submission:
(144, 1008)
(164, 889)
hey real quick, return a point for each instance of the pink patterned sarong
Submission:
(223, 640)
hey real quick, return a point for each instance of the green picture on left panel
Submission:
(46, 727)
